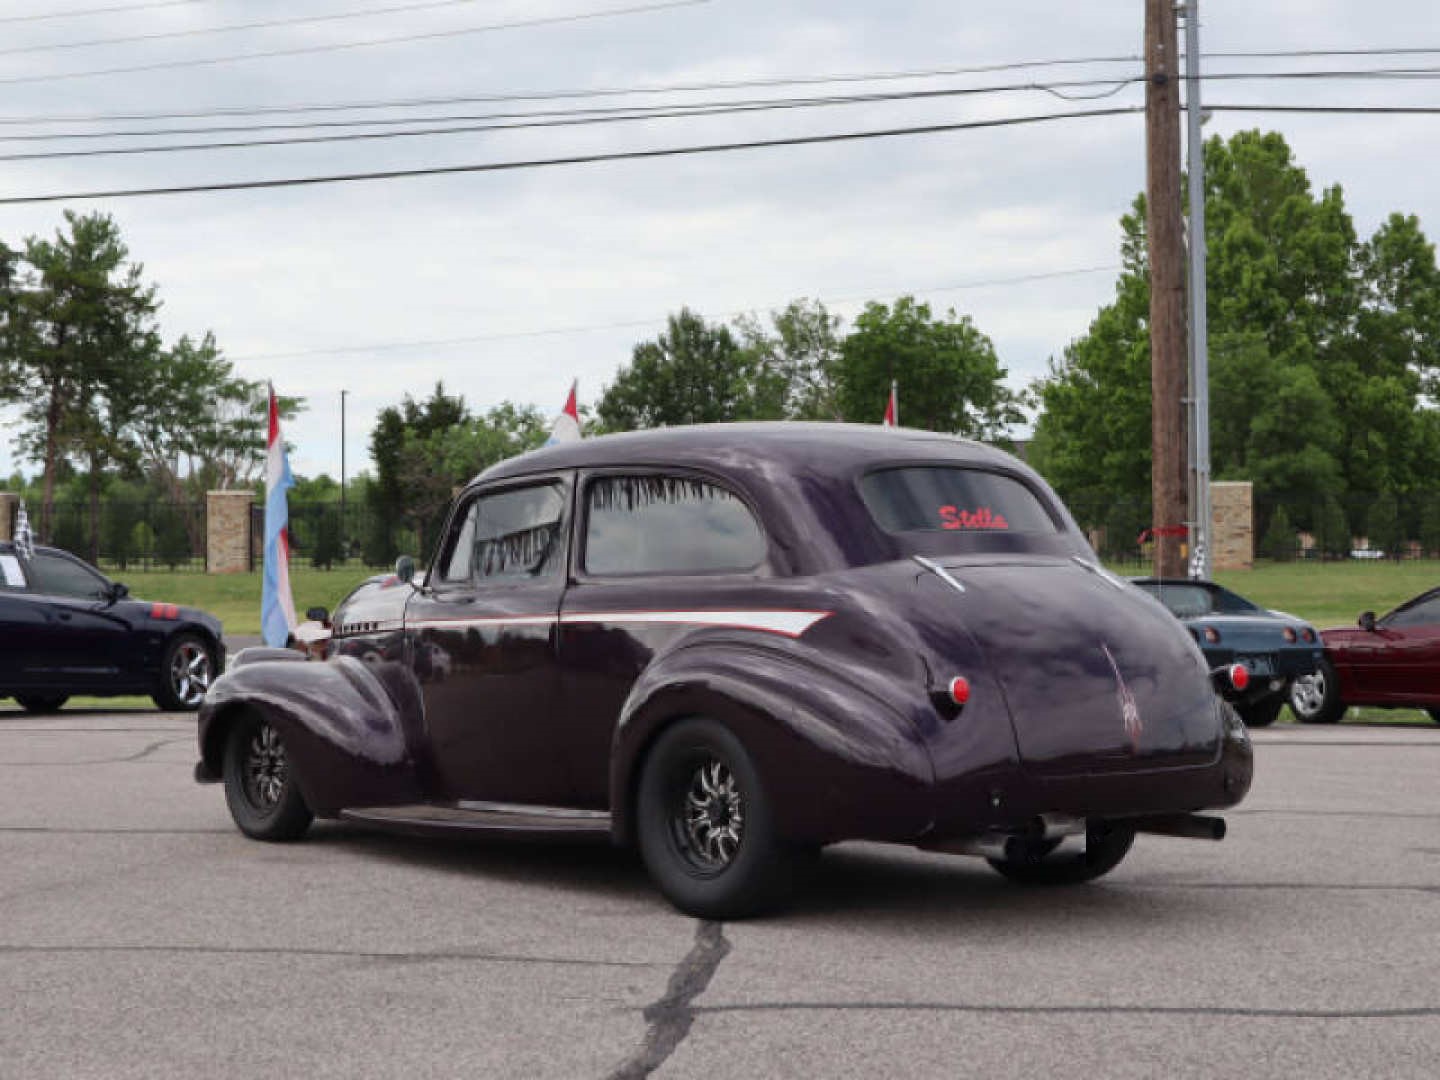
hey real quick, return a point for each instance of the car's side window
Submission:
(12, 574)
(516, 534)
(668, 525)
(56, 576)
(1425, 613)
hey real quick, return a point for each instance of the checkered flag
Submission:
(24, 540)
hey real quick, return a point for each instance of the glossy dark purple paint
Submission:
(1087, 698)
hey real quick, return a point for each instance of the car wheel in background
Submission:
(1315, 699)
(260, 786)
(187, 668)
(706, 828)
(41, 703)
(1262, 713)
(1434, 715)
(1106, 844)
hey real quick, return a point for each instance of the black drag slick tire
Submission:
(41, 703)
(260, 787)
(705, 825)
(1262, 713)
(1315, 699)
(187, 668)
(1106, 845)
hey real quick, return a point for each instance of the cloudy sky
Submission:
(507, 285)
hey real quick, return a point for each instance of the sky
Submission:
(508, 285)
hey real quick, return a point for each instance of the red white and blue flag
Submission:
(277, 606)
(892, 408)
(566, 427)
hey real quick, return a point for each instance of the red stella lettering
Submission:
(983, 518)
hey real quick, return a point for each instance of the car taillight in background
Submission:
(1239, 676)
(1212, 635)
(1308, 634)
(1288, 633)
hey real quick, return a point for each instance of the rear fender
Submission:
(351, 728)
(838, 762)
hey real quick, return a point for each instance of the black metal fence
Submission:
(157, 535)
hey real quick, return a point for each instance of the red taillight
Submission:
(1239, 676)
(1288, 633)
(1308, 634)
(959, 690)
(1212, 635)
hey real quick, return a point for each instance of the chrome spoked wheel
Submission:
(265, 769)
(1307, 695)
(191, 672)
(710, 817)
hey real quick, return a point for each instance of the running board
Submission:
(492, 819)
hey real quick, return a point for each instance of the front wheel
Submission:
(1106, 844)
(1315, 698)
(187, 668)
(260, 786)
(705, 825)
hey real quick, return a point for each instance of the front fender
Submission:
(837, 761)
(350, 727)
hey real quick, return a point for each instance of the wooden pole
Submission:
(1164, 236)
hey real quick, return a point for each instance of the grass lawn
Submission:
(235, 598)
(1326, 594)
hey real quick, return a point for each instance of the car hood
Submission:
(1096, 675)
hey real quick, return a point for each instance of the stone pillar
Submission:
(1232, 525)
(8, 505)
(227, 531)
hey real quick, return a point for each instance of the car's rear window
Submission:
(950, 499)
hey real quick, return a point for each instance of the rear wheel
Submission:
(706, 827)
(1261, 713)
(260, 786)
(1106, 844)
(1315, 699)
(41, 703)
(187, 668)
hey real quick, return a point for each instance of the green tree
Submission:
(387, 496)
(948, 376)
(326, 551)
(1320, 345)
(693, 373)
(78, 323)
(1430, 523)
(1332, 531)
(1382, 524)
(1279, 539)
(795, 361)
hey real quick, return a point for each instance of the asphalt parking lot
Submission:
(141, 936)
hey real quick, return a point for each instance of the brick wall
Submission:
(227, 531)
(1232, 533)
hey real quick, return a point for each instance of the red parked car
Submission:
(1392, 662)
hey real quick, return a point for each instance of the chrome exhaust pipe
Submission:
(1189, 826)
(1011, 846)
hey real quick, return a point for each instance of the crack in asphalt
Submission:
(1080, 1010)
(670, 1017)
(137, 756)
(328, 954)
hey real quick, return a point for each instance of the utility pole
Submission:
(1200, 514)
(344, 550)
(1167, 287)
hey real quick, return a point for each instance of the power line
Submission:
(475, 124)
(578, 159)
(629, 324)
(552, 95)
(309, 50)
(1362, 110)
(81, 12)
(203, 31)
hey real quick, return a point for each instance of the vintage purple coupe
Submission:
(731, 645)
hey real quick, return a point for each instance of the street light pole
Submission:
(1200, 512)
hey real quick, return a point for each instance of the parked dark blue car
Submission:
(66, 629)
(1275, 648)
